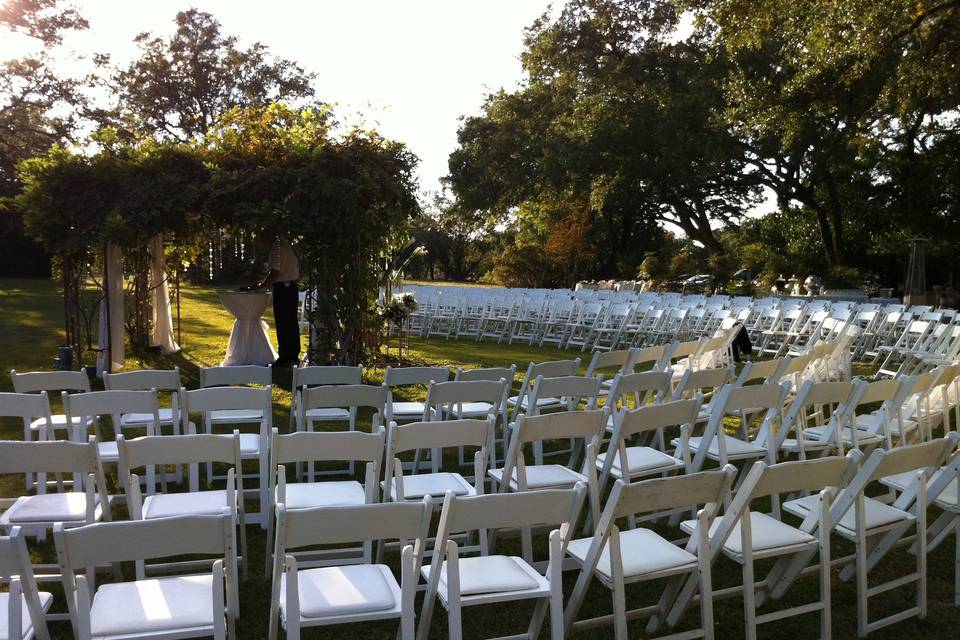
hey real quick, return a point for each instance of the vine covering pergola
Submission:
(131, 215)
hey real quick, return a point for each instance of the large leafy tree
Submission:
(39, 107)
(180, 86)
(617, 119)
(838, 103)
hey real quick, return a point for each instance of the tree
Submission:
(180, 87)
(824, 91)
(617, 119)
(38, 109)
(455, 238)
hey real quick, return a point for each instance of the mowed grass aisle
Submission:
(31, 328)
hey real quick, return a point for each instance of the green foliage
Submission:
(180, 87)
(346, 202)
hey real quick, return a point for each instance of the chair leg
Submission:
(536, 620)
(749, 598)
(956, 565)
(861, 568)
(826, 622)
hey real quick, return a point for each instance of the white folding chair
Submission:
(338, 446)
(869, 430)
(568, 392)
(745, 535)
(636, 390)
(467, 399)
(348, 399)
(346, 594)
(411, 410)
(39, 512)
(237, 376)
(51, 382)
(415, 436)
(492, 579)
(173, 606)
(621, 360)
(149, 380)
(31, 408)
(874, 526)
(618, 558)
(551, 369)
(322, 376)
(762, 371)
(244, 403)
(818, 415)
(765, 401)
(942, 491)
(96, 405)
(22, 606)
(622, 461)
(191, 450)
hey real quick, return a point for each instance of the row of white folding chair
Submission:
(350, 593)
(744, 535)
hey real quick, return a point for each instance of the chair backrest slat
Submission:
(337, 525)
(503, 510)
(661, 494)
(34, 381)
(438, 435)
(126, 541)
(307, 446)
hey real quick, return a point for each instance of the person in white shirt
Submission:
(284, 271)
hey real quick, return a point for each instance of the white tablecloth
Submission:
(249, 342)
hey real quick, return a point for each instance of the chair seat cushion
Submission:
(735, 446)
(767, 532)
(301, 495)
(434, 484)
(407, 409)
(59, 421)
(791, 444)
(165, 505)
(337, 591)
(640, 460)
(249, 444)
(642, 550)
(471, 409)
(70, 506)
(489, 574)
(863, 437)
(153, 605)
(877, 514)
(230, 416)
(541, 402)
(26, 624)
(327, 413)
(542, 476)
(131, 419)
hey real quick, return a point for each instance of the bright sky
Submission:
(412, 68)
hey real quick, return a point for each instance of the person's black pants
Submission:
(287, 324)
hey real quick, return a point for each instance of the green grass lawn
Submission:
(31, 329)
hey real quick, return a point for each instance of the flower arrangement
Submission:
(399, 309)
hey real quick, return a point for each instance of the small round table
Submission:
(249, 342)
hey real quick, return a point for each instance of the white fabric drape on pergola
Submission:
(112, 354)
